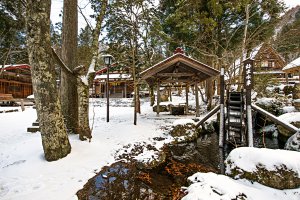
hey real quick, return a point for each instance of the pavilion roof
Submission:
(178, 68)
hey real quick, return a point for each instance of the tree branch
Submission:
(60, 62)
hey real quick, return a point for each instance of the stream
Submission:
(127, 181)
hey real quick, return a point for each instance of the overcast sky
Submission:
(57, 7)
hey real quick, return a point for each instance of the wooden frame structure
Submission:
(178, 69)
(16, 80)
(120, 84)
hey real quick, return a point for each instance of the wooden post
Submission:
(222, 115)
(22, 105)
(158, 98)
(170, 92)
(248, 84)
(197, 100)
(152, 97)
(186, 99)
(125, 89)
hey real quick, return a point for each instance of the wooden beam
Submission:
(208, 115)
(197, 100)
(178, 74)
(275, 119)
(187, 99)
(158, 98)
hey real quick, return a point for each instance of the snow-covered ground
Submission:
(24, 173)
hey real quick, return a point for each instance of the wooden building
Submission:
(120, 83)
(16, 80)
(267, 61)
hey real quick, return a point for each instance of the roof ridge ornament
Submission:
(178, 50)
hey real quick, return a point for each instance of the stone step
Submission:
(33, 129)
(35, 124)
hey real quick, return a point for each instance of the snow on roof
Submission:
(292, 65)
(113, 76)
(21, 66)
(269, 72)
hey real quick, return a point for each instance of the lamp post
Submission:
(107, 60)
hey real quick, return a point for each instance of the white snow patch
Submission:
(183, 122)
(248, 158)
(290, 117)
(210, 186)
(288, 109)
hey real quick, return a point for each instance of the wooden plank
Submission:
(275, 119)
(177, 74)
(208, 115)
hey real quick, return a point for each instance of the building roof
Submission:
(113, 76)
(292, 66)
(178, 68)
(16, 66)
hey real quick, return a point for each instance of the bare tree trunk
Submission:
(53, 131)
(86, 80)
(68, 88)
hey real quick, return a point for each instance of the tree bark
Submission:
(53, 131)
(86, 80)
(68, 87)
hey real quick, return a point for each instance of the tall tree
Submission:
(53, 131)
(87, 75)
(131, 39)
(68, 82)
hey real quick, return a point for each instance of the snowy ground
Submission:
(26, 175)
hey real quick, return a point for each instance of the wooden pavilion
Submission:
(177, 71)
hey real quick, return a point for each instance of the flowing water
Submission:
(125, 181)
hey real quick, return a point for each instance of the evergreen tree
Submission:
(12, 34)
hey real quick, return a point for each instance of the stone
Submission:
(152, 163)
(280, 176)
(184, 152)
(293, 142)
(33, 129)
(271, 105)
(296, 91)
(296, 103)
(184, 133)
(162, 108)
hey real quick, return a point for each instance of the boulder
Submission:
(292, 118)
(162, 108)
(293, 142)
(152, 163)
(274, 168)
(296, 91)
(271, 105)
(184, 133)
(184, 152)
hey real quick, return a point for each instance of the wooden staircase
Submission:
(235, 124)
